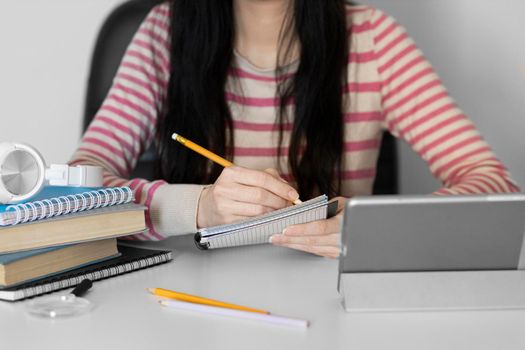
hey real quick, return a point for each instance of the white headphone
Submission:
(23, 173)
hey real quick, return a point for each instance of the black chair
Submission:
(115, 35)
(386, 181)
(112, 41)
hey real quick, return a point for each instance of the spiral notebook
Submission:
(131, 259)
(55, 200)
(259, 229)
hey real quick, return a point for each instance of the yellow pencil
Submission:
(208, 154)
(202, 151)
(199, 300)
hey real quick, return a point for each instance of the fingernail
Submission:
(293, 195)
(289, 231)
(274, 239)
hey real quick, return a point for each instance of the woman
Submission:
(303, 89)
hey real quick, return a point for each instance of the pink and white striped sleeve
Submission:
(126, 125)
(418, 109)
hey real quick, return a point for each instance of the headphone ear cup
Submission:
(21, 172)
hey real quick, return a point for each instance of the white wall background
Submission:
(477, 46)
(45, 52)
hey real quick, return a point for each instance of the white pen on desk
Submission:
(213, 310)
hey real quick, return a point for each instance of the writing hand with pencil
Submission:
(239, 193)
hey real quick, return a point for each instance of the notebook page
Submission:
(259, 234)
(275, 215)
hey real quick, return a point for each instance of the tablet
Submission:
(433, 233)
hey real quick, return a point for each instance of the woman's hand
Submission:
(239, 193)
(321, 237)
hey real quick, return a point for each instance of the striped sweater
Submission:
(390, 86)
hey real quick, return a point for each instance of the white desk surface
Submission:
(283, 281)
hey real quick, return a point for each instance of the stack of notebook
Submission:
(45, 244)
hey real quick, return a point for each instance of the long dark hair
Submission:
(202, 36)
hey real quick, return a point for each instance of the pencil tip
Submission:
(174, 136)
(151, 290)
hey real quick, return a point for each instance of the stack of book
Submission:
(63, 233)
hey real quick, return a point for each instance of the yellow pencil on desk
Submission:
(208, 154)
(200, 300)
(188, 302)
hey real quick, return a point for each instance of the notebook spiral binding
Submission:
(108, 272)
(48, 208)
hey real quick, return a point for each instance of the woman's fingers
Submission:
(317, 241)
(245, 210)
(332, 225)
(253, 195)
(233, 211)
(261, 179)
(318, 237)
(239, 193)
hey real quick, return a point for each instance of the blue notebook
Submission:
(12, 257)
(55, 200)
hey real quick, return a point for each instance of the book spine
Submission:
(48, 208)
(93, 276)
